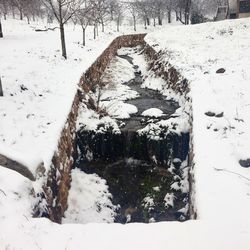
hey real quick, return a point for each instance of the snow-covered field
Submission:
(39, 87)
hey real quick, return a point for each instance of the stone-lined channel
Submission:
(145, 176)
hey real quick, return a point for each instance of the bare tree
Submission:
(1, 87)
(19, 5)
(117, 13)
(1, 30)
(159, 8)
(83, 16)
(170, 5)
(4, 7)
(133, 9)
(33, 9)
(101, 11)
(63, 11)
(144, 9)
(187, 10)
(94, 17)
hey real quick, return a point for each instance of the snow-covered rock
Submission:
(153, 112)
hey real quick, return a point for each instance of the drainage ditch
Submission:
(147, 177)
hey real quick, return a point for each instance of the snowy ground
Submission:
(34, 116)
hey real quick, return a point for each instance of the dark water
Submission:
(147, 99)
(130, 182)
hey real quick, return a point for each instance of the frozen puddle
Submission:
(143, 160)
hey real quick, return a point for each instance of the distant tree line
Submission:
(97, 13)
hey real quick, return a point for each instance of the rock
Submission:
(23, 88)
(138, 80)
(210, 114)
(221, 71)
(16, 166)
(40, 171)
(138, 73)
(219, 115)
(245, 163)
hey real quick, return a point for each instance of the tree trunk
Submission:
(63, 43)
(145, 24)
(1, 88)
(28, 19)
(13, 12)
(118, 24)
(169, 16)
(21, 14)
(176, 16)
(83, 36)
(94, 31)
(186, 18)
(134, 23)
(103, 26)
(154, 22)
(180, 16)
(1, 31)
(159, 20)
(97, 30)
(187, 11)
(111, 15)
(148, 21)
(5, 16)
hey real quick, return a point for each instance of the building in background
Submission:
(243, 8)
(233, 9)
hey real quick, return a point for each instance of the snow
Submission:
(90, 120)
(16, 195)
(148, 203)
(195, 235)
(153, 112)
(222, 186)
(169, 199)
(122, 67)
(154, 83)
(119, 109)
(89, 200)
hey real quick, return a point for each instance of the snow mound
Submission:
(119, 109)
(89, 200)
(153, 112)
(15, 195)
(154, 83)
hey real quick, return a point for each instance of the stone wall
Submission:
(165, 70)
(94, 73)
(178, 84)
(58, 180)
